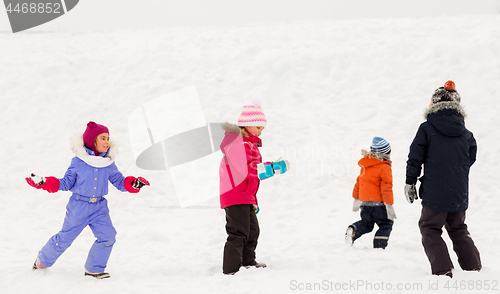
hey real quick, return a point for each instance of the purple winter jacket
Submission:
(88, 175)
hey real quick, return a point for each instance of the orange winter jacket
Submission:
(374, 182)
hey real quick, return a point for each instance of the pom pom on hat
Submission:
(252, 115)
(380, 145)
(446, 93)
(93, 130)
(449, 85)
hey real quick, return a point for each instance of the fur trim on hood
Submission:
(445, 105)
(79, 150)
(377, 156)
(232, 128)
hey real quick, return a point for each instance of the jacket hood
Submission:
(447, 117)
(233, 133)
(77, 147)
(371, 159)
(377, 156)
(231, 128)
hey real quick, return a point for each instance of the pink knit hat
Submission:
(93, 130)
(252, 115)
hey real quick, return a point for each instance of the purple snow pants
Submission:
(79, 214)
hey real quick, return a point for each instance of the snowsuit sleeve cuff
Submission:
(411, 181)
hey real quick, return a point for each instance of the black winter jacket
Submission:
(447, 150)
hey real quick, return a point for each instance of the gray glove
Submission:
(410, 193)
(391, 214)
(356, 205)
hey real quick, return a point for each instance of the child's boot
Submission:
(446, 272)
(38, 265)
(256, 264)
(98, 276)
(349, 235)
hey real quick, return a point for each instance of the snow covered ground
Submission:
(326, 87)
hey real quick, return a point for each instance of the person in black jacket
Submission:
(447, 150)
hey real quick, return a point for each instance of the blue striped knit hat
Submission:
(380, 145)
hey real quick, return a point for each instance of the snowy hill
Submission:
(326, 87)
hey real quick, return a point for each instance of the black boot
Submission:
(98, 276)
(446, 272)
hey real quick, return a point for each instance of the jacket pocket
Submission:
(243, 187)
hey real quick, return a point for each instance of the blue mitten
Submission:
(281, 166)
(265, 170)
(256, 208)
(268, 169)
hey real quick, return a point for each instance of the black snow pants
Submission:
(431, 224)
(371, 215)
(243, 231)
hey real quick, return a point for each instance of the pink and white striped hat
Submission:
(252, 115)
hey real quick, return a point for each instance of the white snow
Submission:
(326, 87)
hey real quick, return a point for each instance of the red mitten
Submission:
(134, 185)
(127, 184)
(140, 182)
(49, 184)
(32, 184)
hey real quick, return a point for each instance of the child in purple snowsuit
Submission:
(87, 177)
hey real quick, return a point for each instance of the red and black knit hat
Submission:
(446, 93)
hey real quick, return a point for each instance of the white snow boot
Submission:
(349, 235)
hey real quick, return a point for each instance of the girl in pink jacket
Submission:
(240, 172)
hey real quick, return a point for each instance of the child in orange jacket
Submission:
(373, 194)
